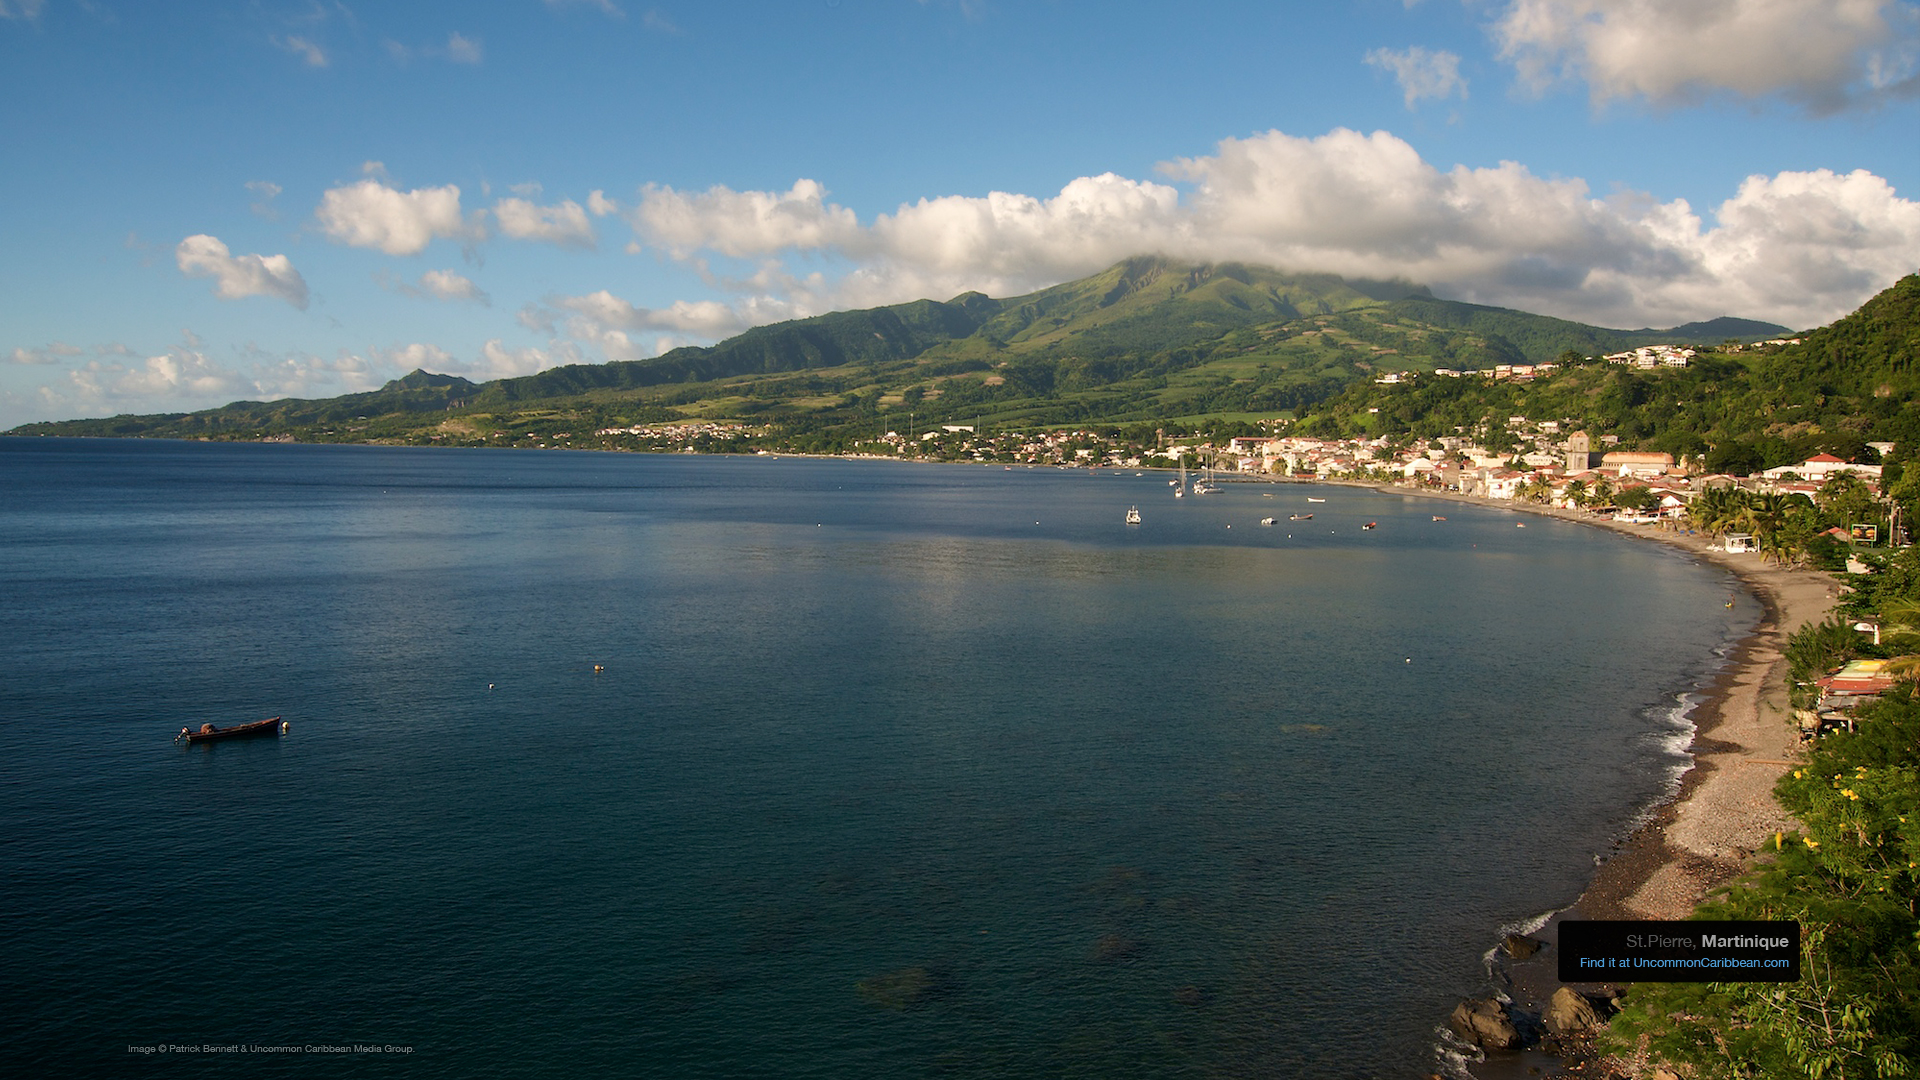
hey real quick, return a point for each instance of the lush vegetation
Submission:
(1843, 386)
(1850, 876)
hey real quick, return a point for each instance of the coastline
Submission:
(1744, 740)
(1707, 831)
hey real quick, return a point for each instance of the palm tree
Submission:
(1577, 493)
(1717, 510)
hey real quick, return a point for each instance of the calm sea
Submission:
(609, 766)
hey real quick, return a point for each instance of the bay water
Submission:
(622, 765)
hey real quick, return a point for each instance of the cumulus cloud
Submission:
(447, 285)
(1420, 73)
(184, 377)
(1823, 54)
(594, 313)
(305, 49)
(564, 224)
(421, 356)
(305, 375)
(56, 353)
(599, 205)
(181, 373)
(239, 276)
(371, 214)
(743, 222)
(1798, 248)
(437, 285)
(116, 379)
(498, 362)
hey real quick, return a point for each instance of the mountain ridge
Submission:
(1147, 336)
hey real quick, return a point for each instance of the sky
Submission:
(208, 202)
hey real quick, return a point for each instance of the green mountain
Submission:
(1146, 340)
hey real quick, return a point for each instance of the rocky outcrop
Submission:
(1520, 947)
(1486, 1023)
(1570, 1013)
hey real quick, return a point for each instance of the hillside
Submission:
(1843, 386)
(1147, 340)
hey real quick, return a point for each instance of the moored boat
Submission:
(210, 733)
(1133, 515)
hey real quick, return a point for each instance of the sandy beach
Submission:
(1745, 741)
(1723, 811)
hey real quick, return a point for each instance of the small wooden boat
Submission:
(1439, 517)
(1301, 517)
(209, 733)
(1370, 525)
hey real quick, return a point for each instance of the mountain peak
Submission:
(422, 379)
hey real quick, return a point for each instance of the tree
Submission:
(1638, 499)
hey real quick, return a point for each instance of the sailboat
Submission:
(1180, 485)
(1133, 515)
(1205, 487)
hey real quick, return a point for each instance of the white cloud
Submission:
(264, 192)
(1822, 54)
(180, 374)
(1421, 74)
(658, 22)
(447, 285)
(304, 375)
(57, 353)
(496, 360)
(462, 49)
(372, 215)
(308, 51)
(499, 362)
(742, 222)
(1796, 248)
(703, 318)
(22, 9)
(424, 357)
(436, 285)
(184, 377)
(238, 276)
(599, 205)
(564, 224)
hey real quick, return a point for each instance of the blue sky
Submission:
(211, 202)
